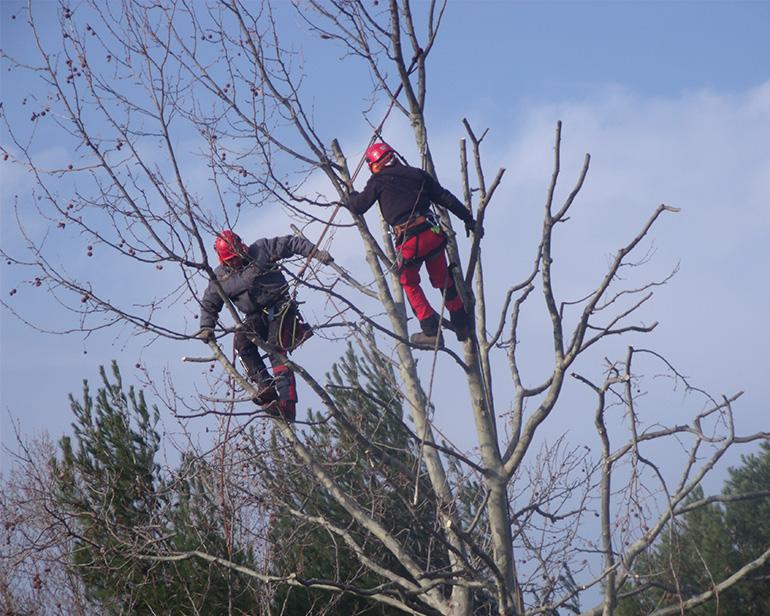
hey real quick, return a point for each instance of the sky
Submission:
(672, 101)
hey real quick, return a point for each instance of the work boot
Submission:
(430, 337)
(424, 341)
(283, 409)
(265, 396)
(459, 321)
(266, 392)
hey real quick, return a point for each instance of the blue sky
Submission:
(549, 49)
(672, 99)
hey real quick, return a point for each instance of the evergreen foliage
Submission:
(707, 545)
(121, 507)
(364, 388)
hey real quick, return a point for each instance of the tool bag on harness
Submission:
(286, 328)
(408, 238)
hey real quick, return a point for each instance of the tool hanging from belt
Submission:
(412, 228)
(286, 327)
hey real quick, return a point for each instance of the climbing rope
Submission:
(430, 392)
(376, 134)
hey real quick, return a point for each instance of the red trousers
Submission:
(417, 246)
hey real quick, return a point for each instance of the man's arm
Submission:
(287, 246)
(441, 196)
(211, 304)
(360, 202)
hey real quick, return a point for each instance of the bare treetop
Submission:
(183, 119)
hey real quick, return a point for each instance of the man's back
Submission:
(404, 192)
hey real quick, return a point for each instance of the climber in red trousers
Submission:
(405, 195)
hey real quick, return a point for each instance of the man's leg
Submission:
(281, 334)
(410, 280)
(252, 361)
(441, 278)
(288, 329)
(286, 385)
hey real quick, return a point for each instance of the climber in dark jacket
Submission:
(405, 195)
(252, 281)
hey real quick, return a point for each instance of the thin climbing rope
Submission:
(430, 391)
(377, 133)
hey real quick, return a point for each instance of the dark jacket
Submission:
(404, 192)
(258, 282)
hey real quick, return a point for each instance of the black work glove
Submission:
(323, 256)
(206, 334)
(470, 227)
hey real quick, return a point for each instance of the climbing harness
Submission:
(413, 228)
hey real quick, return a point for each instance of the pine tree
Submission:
(707, 544)
(364, 388)
(748, 526)
(120, 504)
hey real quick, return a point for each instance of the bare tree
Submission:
(36, 546)
(128, 85)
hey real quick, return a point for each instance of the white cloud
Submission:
(703, 152)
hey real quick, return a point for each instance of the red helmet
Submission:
(229, 245)
(378, 155)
